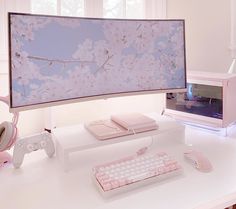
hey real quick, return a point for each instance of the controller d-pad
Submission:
(30, 147)
(43, 144)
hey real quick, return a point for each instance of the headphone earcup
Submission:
(6, 135)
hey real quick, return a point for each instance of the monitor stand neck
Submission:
(232, 35)
(49, 120)
(232, 68)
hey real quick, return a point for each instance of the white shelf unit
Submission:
(76, 138)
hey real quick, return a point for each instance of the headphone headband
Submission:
(9, 130)
(15, 114)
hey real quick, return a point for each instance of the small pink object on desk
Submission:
(5, 158)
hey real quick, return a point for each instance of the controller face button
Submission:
(30, 147)
(36, 147)
(19, 144)
(43, 144)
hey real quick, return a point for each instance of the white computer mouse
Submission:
(199, 160)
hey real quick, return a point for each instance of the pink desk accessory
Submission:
(134, 121)
(5, 159)
(121, 125)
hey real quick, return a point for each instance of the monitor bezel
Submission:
(92, 97)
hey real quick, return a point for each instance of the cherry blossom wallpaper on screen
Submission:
(58, 58)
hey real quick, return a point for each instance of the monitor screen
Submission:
(56, 60)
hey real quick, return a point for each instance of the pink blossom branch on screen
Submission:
(105, 62)
(57, 60)
(69, 61)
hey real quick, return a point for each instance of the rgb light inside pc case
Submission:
(57, 59)
(199, 99)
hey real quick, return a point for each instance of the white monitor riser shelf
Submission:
(76, 138)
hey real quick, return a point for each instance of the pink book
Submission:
(106, 129)
(121, 125)
(134, 121)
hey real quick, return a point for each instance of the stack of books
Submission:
(121, 125)
(135, 122)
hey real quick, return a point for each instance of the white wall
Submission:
(207, 32)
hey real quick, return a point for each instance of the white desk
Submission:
(42, 184)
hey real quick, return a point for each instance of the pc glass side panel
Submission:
(62, 59)
(199, 99)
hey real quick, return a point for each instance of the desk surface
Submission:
(42, 183)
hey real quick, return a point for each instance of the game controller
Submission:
(30, 144)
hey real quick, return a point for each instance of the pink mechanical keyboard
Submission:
(133, 171)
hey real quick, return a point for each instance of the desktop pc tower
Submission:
(210, 100)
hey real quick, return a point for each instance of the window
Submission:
(72, 7)
(114, 8)
(60, 7)
(44, 7)
(111, 8)
(135, 9)
(123, 8)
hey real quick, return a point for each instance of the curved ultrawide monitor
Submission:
(56, 60)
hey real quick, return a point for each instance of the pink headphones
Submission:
(8, 130)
